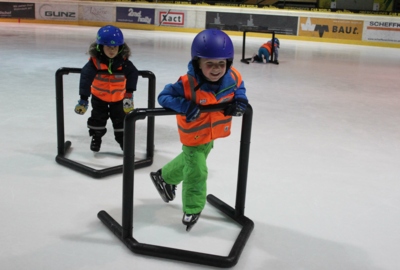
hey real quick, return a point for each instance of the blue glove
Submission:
(192, 112)
(128, 102)
(81, 107)
(237, 108)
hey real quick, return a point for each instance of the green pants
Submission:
(190, 168)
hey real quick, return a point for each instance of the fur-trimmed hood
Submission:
(96, 50)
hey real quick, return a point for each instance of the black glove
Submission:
(192, 112)
(236, 108)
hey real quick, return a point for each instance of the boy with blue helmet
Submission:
(110, 36)
(112, 95)
(211, 79)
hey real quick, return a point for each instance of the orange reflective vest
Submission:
(211, 125)
(108, 87)
(267, 46)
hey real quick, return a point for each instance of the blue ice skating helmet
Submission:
(276, 41)
(212, 43)
(110, 36)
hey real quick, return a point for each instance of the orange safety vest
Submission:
(267, 46)
(209, 126)
(108, 87)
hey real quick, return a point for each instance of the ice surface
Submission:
(323, 185)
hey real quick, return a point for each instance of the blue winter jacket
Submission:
(172, 97)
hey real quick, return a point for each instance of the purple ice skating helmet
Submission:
(110, 36)
(213, 44)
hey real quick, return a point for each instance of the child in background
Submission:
(265, 51)
(112, 95)
(210, 79)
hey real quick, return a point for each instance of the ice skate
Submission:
(253, 58)
(167, 191)
(96, 139)
(189, 220)
(96, 143)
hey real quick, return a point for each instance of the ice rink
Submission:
(324, 173)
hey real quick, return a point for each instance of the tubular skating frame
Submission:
(247, 60)
(63, 145)
(124, 231)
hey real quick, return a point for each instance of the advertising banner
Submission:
(17, 10)
(286, 25)
(135, 15)
(170, 18)
(57, 12)
(381, 31)
(331, 28)
(97, 13)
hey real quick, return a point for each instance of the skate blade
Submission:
(159, 188)
(190, 226)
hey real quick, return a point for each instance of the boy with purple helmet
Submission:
(211, 79)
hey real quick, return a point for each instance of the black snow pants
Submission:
(101, 111)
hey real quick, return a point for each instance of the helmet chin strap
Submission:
(203, 78)
(122, 48)
(110, 62)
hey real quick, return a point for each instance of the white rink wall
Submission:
(361, 29)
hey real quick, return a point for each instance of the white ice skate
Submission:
(189, 220)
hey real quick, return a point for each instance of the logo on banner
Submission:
(138, 15)
(334, 27)
(376, 25)
(172, 18)
(96, 13)
(47, 11)
(135, 15)
(308, 26)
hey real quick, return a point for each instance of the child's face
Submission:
(111, 51)
(212, 69)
